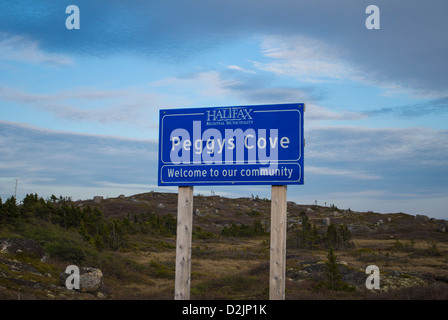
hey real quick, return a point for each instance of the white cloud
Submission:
(411, 145)
(341, 172)
(90, 104)
(316, 112)
(196, 85)
(238, 68)
(44, 157)
(215, 88)
(315, 60)
(22, 49)
(304, 59)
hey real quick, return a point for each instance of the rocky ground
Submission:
(411, 253)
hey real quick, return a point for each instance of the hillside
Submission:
(132, 240)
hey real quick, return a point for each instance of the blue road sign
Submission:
(240, 145)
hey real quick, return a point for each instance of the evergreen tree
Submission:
(11, 211)
(338, 236)
(2, 213)
(29, 205)
(333, 277)
(98, 242)
(345, 236)
(53, 199)
(332, 237)
(307, 236)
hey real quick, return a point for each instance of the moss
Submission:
(5, 272)
(37, 264)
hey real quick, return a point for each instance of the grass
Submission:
(238, 268)
(233, 264)
(232, 287)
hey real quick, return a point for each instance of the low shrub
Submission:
(243, 230)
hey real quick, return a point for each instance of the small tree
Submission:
(306, 236)
(2, 213)
(332, 237)
(333, 277)
(338, 236)
(10, 211)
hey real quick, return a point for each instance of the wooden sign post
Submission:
(277, 247)
(183, 243)
(278, 243)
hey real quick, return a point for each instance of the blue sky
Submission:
(79, 108)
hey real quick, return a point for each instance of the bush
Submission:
(160, 270)
(124, 269)
(159, 225)
(66, 245)
(199, 233)
(338, 237)
(242, 230)
(307, 237)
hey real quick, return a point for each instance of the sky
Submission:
(79, 108)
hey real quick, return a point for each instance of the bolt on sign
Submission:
(242, 145)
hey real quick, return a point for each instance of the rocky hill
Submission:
(230, 256)
(214, 212)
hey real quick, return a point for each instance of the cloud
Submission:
(407, 161)
(222, 87)
(89, 104)
(206, 83)
(78, 160)
(316, 112)
(214, 86)
(427, 108)
(342, 165)
(408, 52)
(266, 94)
(303, 58)
(341, 172)
(21, 49)
(401, 147)
(319, 60)
(238, 68)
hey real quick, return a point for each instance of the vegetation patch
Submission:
(243, 230)
(232, 287)
(133, 241)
